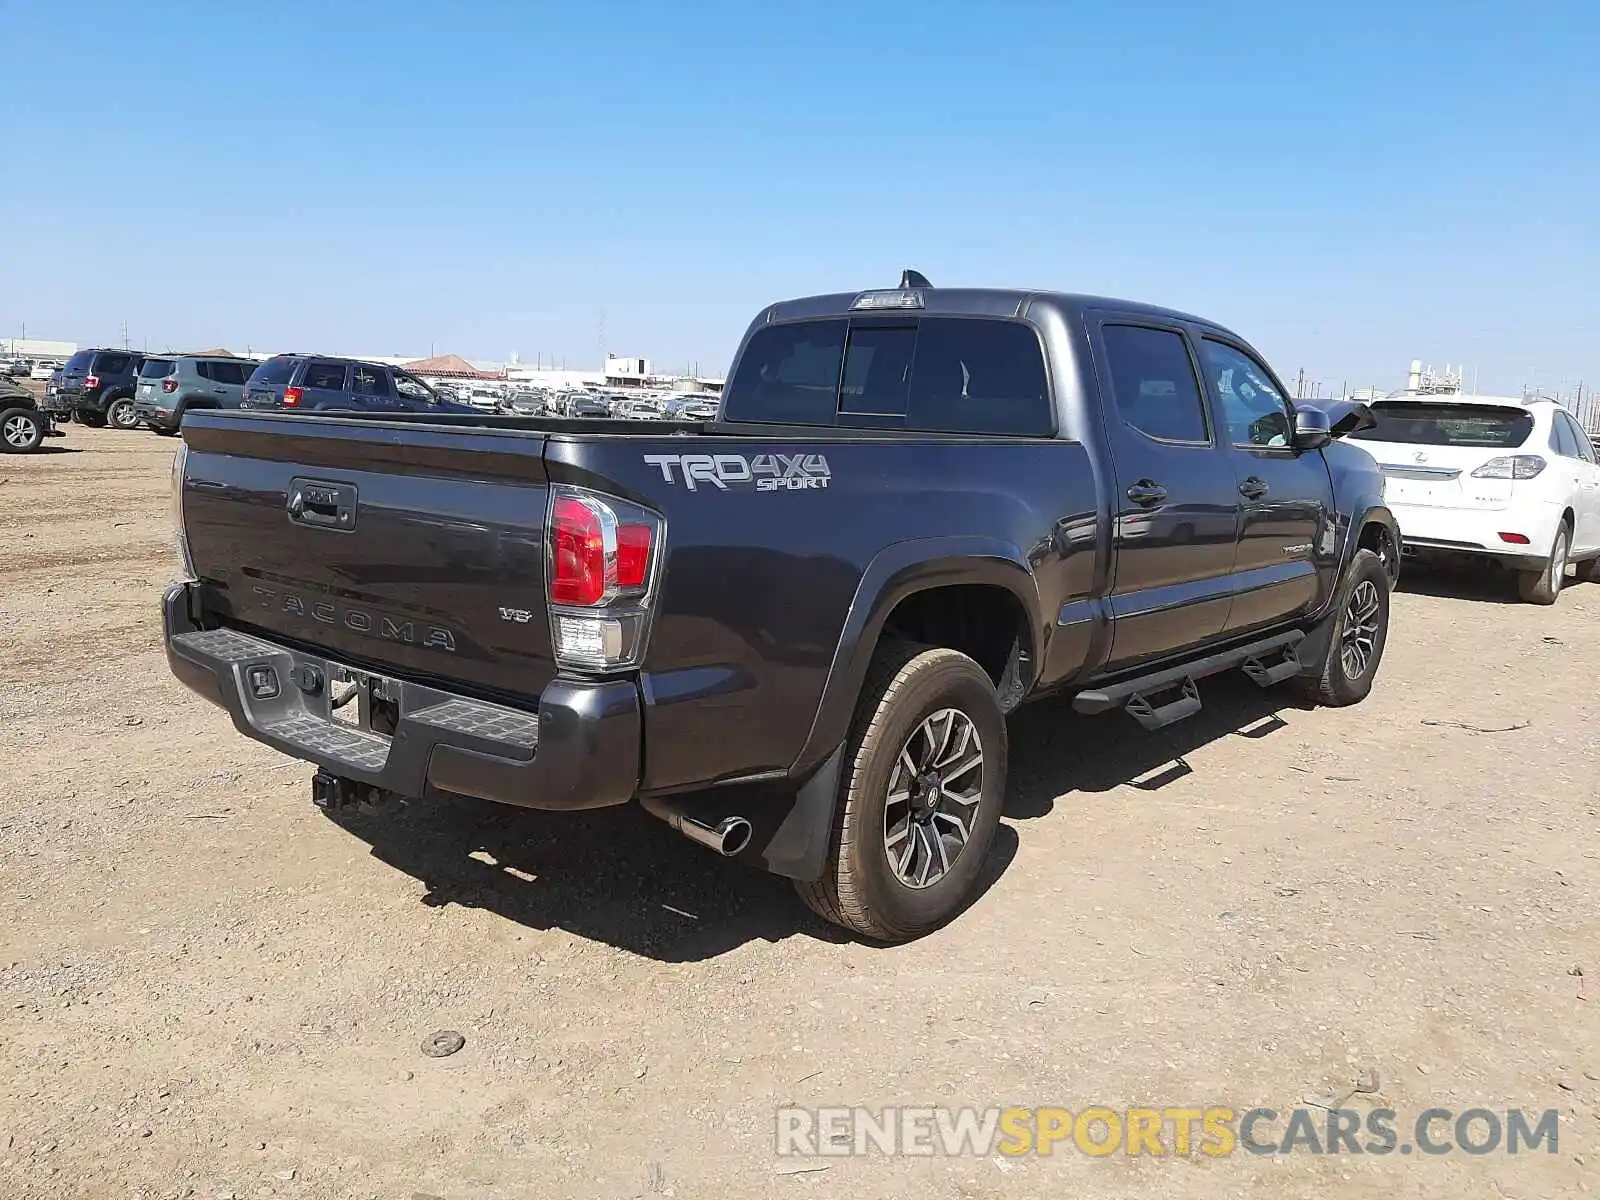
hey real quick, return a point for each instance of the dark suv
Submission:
(170, 387)
(302, 383)
(97, 386)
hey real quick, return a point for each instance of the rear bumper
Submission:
(1477, 531)
(580, 751)
(153, 414)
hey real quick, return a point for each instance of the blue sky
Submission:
(1349, 185)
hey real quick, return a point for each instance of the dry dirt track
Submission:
(207, 988)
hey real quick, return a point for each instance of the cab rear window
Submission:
(939, 374)
(1489, 426)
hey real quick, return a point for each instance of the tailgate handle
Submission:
(327, 505)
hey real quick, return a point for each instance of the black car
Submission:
(96, 386)
(919, 508)
(23, 427)
(307, 383)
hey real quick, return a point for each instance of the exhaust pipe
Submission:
(727, 837)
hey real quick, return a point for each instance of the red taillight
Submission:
(633, 555)
(580, 534)
(579, 570)
(169, 385)
(291, 397)
(91, 381)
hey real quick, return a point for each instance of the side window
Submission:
(1561, 439)
(788, 373)
(203, 369)
(974, 375)
(1254, 411)
(877, 371)
(112, 364)
(1153, 380)
(370, 381)
(325, 375)
(413, 389)
(232, 373)
(1585, 446)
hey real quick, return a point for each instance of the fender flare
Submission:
(798, 848)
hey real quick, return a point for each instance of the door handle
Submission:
(1253, 488)
(1147, 492)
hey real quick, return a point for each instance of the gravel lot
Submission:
(207, 988)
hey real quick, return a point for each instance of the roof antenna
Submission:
(913, 279)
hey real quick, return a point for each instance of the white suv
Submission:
(1494, 478)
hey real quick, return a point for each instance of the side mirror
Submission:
(1312, 429)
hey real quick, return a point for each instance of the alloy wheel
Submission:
(934, 792)
(1358, 635)
(18, 432)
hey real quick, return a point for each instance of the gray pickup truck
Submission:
(918, 508)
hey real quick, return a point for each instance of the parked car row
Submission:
(29, 368)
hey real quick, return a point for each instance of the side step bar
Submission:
(1255, 657)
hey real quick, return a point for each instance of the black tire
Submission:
(1589, 570)
(907, 685)
(93, 420)
(21, 431)
(1544, 585)
(120, 414)
(163, 431)
(1363, 599)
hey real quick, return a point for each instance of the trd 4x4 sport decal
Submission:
(762, 473)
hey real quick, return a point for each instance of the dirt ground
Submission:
(208, 988)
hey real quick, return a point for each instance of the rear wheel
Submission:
(1351, 662)
(21, 431)
(924, 781)
(122, 415)
(1544, 585)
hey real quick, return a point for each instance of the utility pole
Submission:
(124, 333)
(1300, 385)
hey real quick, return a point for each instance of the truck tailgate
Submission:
(425, 559)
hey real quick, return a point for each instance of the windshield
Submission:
(1491, 426)
(156, 368)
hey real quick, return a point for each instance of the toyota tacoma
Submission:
(916, 509)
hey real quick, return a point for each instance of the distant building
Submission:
(37, 348)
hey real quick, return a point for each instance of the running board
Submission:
(1159, 716)
(1115, 695)
(1266, 673)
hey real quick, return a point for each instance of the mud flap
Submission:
(799, 848)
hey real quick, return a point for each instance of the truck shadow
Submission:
(622, 877)
(1055, 752)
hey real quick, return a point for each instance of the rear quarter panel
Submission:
(759, 582)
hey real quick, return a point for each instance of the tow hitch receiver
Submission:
(333, 793)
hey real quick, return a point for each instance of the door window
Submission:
(1153, 381)
(325, 375)
(1253, 409)
(371, 382)
(112, 364)
(413, 389)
